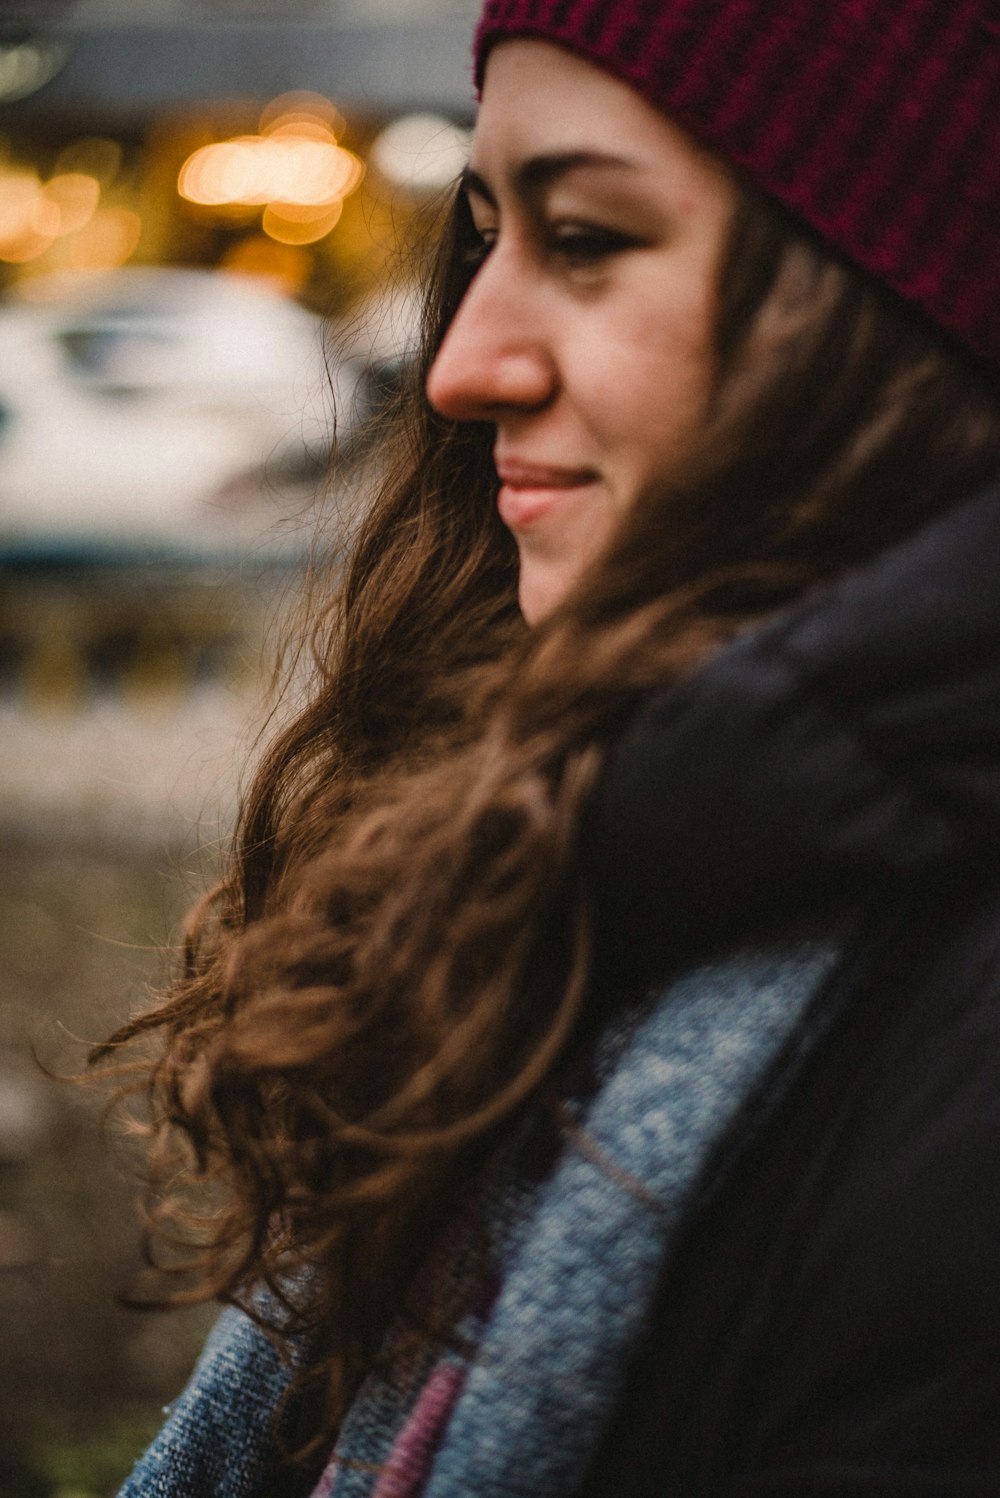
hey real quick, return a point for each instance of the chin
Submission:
(538, 596)
(543, 584)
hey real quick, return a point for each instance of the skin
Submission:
(585, 336)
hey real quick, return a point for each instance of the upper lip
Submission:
(518, 473)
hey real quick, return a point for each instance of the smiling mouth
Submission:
(514, 474)
(531, 491)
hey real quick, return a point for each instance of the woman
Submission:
(591, 1059)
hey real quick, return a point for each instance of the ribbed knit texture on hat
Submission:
(877, 121)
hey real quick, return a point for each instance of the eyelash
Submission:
(583, 245)
(577, 246)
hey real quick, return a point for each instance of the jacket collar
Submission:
(823, 761)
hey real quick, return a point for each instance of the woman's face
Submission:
(585, 336)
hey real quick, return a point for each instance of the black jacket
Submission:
(830, 1322)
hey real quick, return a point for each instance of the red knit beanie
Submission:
(878, 121)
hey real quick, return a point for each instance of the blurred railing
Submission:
(131, 691)
(76, 628)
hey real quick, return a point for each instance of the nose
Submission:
(494, 357)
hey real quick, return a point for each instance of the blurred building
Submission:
(133, 55)
(298, 144)
(159, 77)
(203, 206)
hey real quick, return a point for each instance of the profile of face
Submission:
(585, 336)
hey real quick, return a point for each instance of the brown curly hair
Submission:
(398, 956)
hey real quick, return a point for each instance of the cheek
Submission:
(648, 392)
(646, 364)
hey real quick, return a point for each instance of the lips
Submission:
(531, 491)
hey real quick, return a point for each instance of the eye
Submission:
(481, 241)
(581, 245)
(478, 244)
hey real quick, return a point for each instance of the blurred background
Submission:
(213, 218)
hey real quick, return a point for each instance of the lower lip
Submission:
(521, 508)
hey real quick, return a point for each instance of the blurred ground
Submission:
(108, 817)
(81, 927)
(140, 773)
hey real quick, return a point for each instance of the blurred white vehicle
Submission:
(171, 407)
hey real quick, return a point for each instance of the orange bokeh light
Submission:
(294, 170)
(297, 164)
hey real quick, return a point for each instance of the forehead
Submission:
(539, 99)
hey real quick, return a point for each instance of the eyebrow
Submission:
(539, 172)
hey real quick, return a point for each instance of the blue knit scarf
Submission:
(514, 1404)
